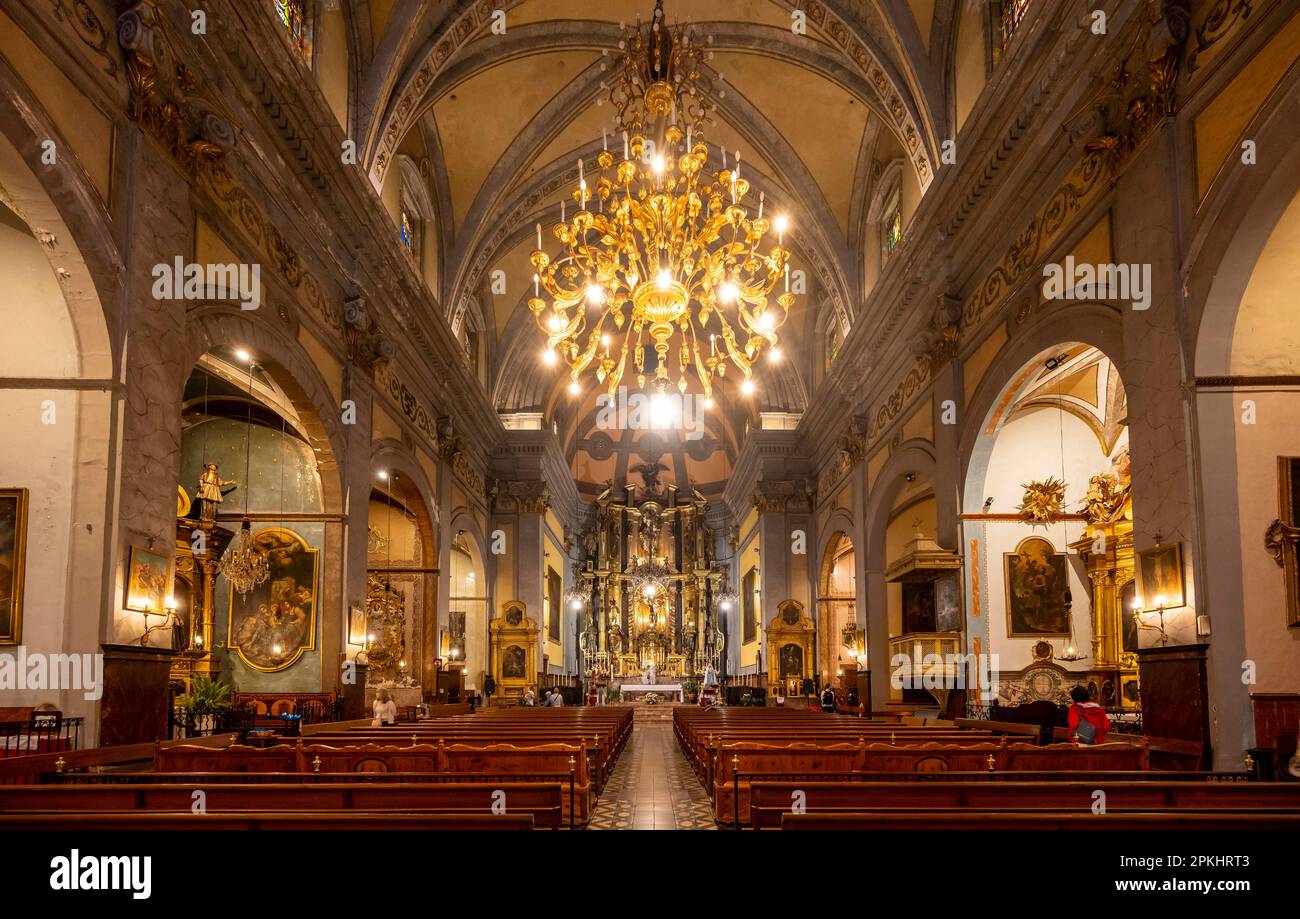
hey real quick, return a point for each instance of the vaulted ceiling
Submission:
(497, 122)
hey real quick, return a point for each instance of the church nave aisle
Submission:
(653, 787)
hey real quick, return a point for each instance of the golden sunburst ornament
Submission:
(1042, 500)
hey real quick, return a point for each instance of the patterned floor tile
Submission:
(653, 787)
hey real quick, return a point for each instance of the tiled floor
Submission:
(653, 787)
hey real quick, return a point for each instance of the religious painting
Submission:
(13, 550)
(1036, 579)
(512, 662)
(749, 624)
(791, 661)
(274, 624)
(456, 632)
(1283, 534)
(554, 594)
(1129, 638)
(148, 581)
(1160, 577)
(357, 626)
(947, 604)
(918, 607)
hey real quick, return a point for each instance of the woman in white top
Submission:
(385, 708)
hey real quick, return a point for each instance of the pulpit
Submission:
(514, 651)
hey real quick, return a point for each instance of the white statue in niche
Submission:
(648, 674)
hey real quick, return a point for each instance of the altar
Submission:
(630, 689)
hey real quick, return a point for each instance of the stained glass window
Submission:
(410, 240)
(291, 14)
(1012, 12)
(892, 229)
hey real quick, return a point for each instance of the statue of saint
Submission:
(648, 674)
(710, 676)
(210, 492)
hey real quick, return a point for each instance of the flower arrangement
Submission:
(653, 698)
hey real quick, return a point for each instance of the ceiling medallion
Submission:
(661, 247)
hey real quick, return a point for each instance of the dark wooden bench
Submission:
(282, 821)
(544, 802)
(1002, 820)
(769, 801)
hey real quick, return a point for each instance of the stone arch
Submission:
(913, 456)
(1093, 324)
(1237, 464)
(291, 367)
(68, 461)
(416, 493)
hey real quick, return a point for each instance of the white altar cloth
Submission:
(666, 689)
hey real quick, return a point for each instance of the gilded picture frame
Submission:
(1036, 578)
(1160, 577)
(1287, 526)
(148, 581)
(271, 627)
(13, 563)
(357, 626)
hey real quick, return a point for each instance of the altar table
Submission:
(664, 689)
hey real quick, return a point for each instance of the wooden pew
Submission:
(770, 800)
(542, 801)
(1001, 820)
(258, 821)
(440, 758)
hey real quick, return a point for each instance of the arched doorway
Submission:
(1247, 402)
(1048, 534)
(840, 637)
(463, 641)
(241, 425)
(58, 453)
(401, 584)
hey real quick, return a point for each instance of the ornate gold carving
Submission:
(1043, 500)
(911, 384)
(1275, 540)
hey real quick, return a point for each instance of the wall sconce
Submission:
(169, 618)
(1139, 609)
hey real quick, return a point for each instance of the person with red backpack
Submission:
(1087, 720)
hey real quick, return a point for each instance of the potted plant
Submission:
(691, 690)
(613, 694)
(206, 700)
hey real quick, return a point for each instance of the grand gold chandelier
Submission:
(660, 247)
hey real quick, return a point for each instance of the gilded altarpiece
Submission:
(514, 652)
(791, 643)
(1107, 550)
(649, 577)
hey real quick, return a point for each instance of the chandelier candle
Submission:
(672, 254)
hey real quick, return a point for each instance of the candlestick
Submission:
(562, 212)
(760, 205)
(787, 277)
(625, 156)
(604, 140)
(738, 164)
(539, 237)
(536, 283)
